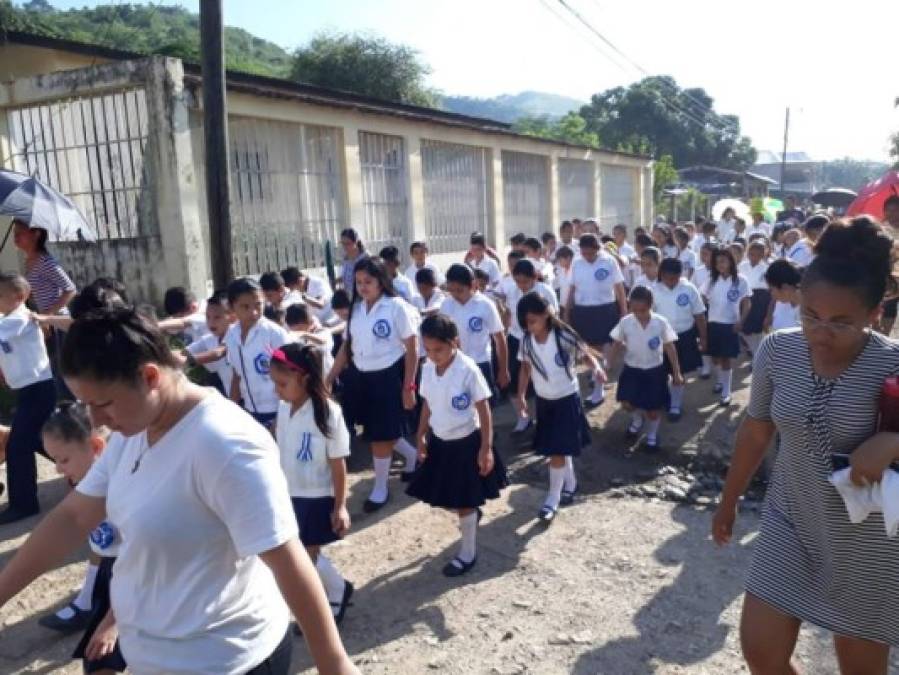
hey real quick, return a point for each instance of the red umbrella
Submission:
(871, 197)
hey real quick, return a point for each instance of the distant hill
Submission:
(510, 107)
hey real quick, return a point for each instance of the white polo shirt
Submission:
(701, 276)
(755, 276)
(412, 270)
(452, 397)
(404, 287)
(190, 593)
(557, 383)
(689, 260)
(594, 283)
(250, 360)
(306, 451)
(724, 299)
(644, 281)
(644, 345)
(435, 301)
(378, 333)
(488, 265)
(678, 305)
(477, 320)
(515, 294)
(785, 315)
(326, 348)
(23, 354)
(221, 367)
(800, 253)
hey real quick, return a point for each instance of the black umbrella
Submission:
(836, 197)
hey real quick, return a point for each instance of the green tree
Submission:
(572, 128)
(371, 66)
(657, 117)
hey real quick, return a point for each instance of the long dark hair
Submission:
(568, 342)
(355, 237)
(374, 267)
(717, 253)
(309, 360)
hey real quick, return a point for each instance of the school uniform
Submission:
(305, 458)
(545, 269)
(800, 253)
(348, 271)
(724, 297)
(488, 265)
(405, 288)
(697, 243)
(669, 251)
(221, 371)
(195, 327)
(378, 357)
(26, 368)
(449, 477)
(761, 296)
(478, 321)
(412, 270)
(643, 382)
(595, 310)
(679, 306)
(516, 330)
(104, 541)
(250, 359)
(762, 229)
(701, 276)
(326, 349)
(785, 315)
(689, 261)
(562, 428)
(645, 282)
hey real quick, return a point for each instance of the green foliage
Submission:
(367, 65)
(572, 128)
(664, 175)
(849, 173)
(512, 107)
(655, 116)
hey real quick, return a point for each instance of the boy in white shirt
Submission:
(418, 251)
(313, 290)
(276, 293)
(478, 258)
(210, 350)
(402, 284)
(185, 316)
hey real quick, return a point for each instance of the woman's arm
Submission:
(62, 303)
(59, 321)
(63, 530)
(411, 368)
(303, 592)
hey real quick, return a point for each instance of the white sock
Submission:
(598, 395)
(409, 453)
(652, 429)
(706, 364)
(468, 525)
(556, 481)
(570, 484)
(677, 396)
(719, 375)
(382, 472)
(332, 580)
(636, 421)
(726, 380)
(83, 600)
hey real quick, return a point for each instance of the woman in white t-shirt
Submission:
(210, 559)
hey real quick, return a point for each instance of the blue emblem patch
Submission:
(654, 343)
(262, 364)
(304, 454)
(601, 274)
(475, 324)
(103, 536)
(462, 401)
(683, 300)
(381, 329)
(733, 294)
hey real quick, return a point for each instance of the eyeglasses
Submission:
(810, 323)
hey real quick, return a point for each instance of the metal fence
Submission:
(455, 194)
(525, 193)
(619, 187)
(385, 199)
(576, 192)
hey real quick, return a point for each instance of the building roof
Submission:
(716, 171)
(769, 157)
(274, 87)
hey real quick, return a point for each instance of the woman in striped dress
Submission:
(818, 388)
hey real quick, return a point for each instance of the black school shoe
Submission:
(567, 498)
(370, 506)
(341, 606)
(457, 567)
(546, 515)
(407, 476)
(77, 623)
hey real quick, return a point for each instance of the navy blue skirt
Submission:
(758, 310)
(594, 324)
(314, 520)
(562, 428)
(99, 607)
(688, 355)
(377, 402)
(724, 343)
(449, 477)
(644, 389)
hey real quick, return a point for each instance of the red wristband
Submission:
(412, 387)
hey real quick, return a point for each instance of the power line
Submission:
(579, 28)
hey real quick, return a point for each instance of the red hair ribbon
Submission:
(279, 356)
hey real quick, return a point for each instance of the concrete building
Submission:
(800, 173)
(122, 135)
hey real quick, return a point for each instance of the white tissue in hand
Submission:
(863, 500)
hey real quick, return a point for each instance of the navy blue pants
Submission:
(34, 404)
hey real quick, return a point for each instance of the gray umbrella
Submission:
(836, 197)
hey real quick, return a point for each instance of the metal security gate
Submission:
(619, 189)
(455, 194)
(576, 194)
(385, 200)
(287, 193)
(525, 193)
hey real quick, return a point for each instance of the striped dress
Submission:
(810, 562)
(48, 282)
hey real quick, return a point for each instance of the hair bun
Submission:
(861, 241)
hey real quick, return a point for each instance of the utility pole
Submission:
(215, 128)
(783, 159)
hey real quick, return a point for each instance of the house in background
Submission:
(801, 177)
(718, 182)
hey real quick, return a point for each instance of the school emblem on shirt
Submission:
(381, 329)
(601, 274)
(561, 359)
(733, 294)
(654, 342)
(6, 347)
(476, 324)
(262, 364)
(103, 536)
(683, 300)
(304, 454)
(462, 401)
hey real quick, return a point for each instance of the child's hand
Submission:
(422, 449)
(677, 379)
(738, 326)
(503, 379)
(102, 643)
(485, 461)
(340, 520)
(408, 399)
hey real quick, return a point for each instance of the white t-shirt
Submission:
(221, 367)
(755, 276)
(678, 305)
(251, 362)
(785, 315)
(326, 348)
(404, 287)
(477, 320)
(701, 276)
(644, 345)
(292, 298)
(412, 270)
(23, 354)
(305, 450)
(800, 253)
(563, 285)
(435, 301)
(189, 592)
(452, 397)
(724, 298)
(378, 333)
(488, 265)
(697, 243)
(557, 383)
(545, 269)
(594, 283)
(195, 326)
(689, 260)
(644, 281)
(627, 251)
(105, 540)
(515, 294)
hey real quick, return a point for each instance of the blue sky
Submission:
(834, 63)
